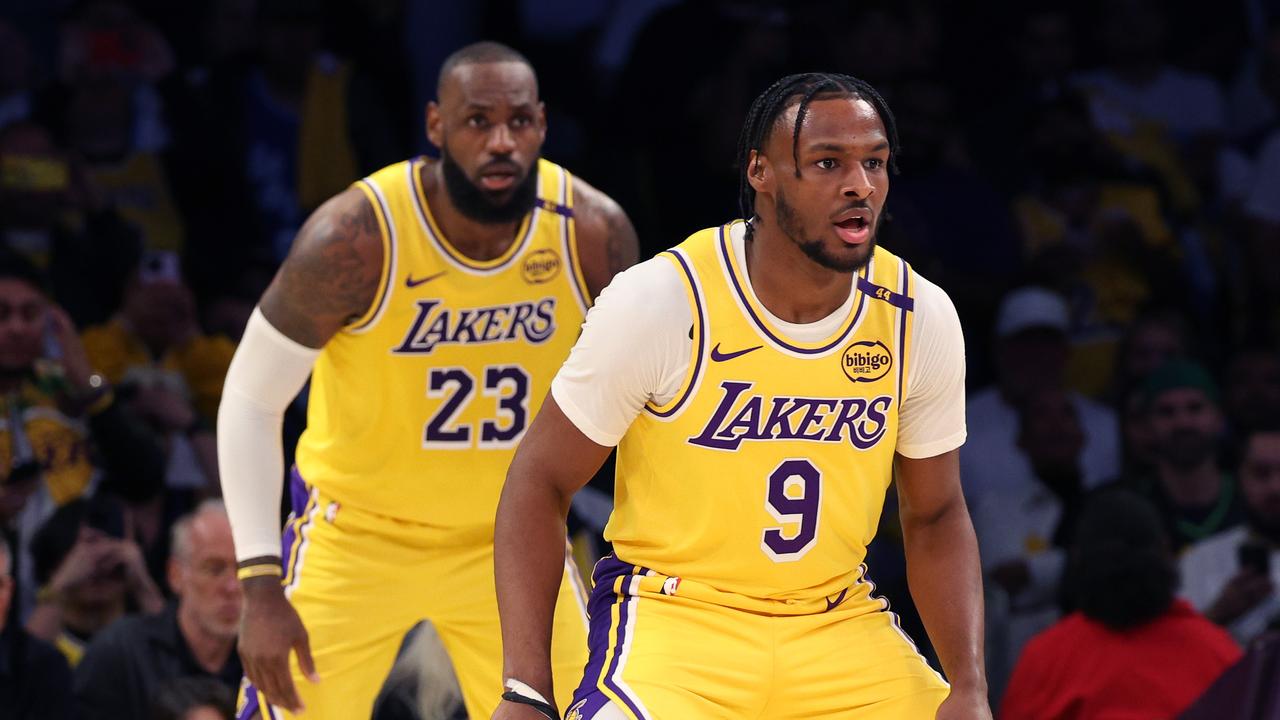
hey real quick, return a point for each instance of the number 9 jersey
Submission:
(416, 408)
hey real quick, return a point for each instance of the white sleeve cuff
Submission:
(580, 419)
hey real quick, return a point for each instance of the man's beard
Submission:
(1267, 527)
(815, 249)
(479, 204)
(1185, 449)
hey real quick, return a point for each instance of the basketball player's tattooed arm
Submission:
(607, 242)
(331, 275)
(553, 462)
(945, 576)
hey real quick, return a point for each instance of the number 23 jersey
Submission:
(416, 408)
(756, 465)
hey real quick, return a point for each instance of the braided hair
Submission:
(771, 104)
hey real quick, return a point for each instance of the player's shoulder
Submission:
(606, 239)
(655, 280)
(934, 312)
(595, 211)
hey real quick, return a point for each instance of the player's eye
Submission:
(874, 164)
(477, 121)
(827, 163)
(521, 121)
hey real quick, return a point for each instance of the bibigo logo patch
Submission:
(866, 361)
(541, 266)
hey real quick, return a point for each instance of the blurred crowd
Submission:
(1096, 185)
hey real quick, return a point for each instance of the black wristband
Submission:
(544, 708)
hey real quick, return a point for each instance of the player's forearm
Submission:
(265, 376)
(528, 562)
(946, 583)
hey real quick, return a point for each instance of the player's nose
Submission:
(501, 141)
(857, 184)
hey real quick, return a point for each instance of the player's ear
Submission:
(759, 172)
(435, 125)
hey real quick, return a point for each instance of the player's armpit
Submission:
(332, 273)
(607, 241)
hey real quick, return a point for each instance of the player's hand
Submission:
(269, 629)
(1240, 595)
(962, 705)
(516, 711)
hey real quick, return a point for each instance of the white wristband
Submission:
(524, 690)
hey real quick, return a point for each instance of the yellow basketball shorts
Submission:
(658, 656)
(360, 581)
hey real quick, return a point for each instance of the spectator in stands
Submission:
(50, 214)
(286, 131)
(192, 698)
(127, 663)
(1140, 447)
(1197, 497)
(1023, 529)
(1031, 354)
(1169, 119)
(61, 423)
(91, 573)
(1232, 576)
(1155, 337)
(1132, 649)
(35, 683)
(1252, 388)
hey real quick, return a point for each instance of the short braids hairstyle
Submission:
(801, 88)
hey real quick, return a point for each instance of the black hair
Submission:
(485, 51)
(1268, 425)
(16, 266)
(59, 534)
(1122, 572)
(177, 697)
(773, 102)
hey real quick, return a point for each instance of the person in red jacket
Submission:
(1130, 650)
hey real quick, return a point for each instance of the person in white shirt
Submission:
(1232, 576)
(1031, 354)
(1024, 528)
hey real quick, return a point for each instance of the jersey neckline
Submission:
(759, 316)
(523, 233)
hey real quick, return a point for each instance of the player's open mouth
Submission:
(497, 181)
(855, 227)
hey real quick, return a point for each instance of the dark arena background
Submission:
(1095, 184)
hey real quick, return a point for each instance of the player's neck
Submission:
(478, 241)
(1196, 486)
(788, 283)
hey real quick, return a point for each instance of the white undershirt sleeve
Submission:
(634, 349)
(931, 420)
(265, 376)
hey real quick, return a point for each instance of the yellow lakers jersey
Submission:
(59, 444)
(762, 481)
(416, 408)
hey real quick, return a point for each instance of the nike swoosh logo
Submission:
(718, 356)
(839, 599)
(410, 283)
